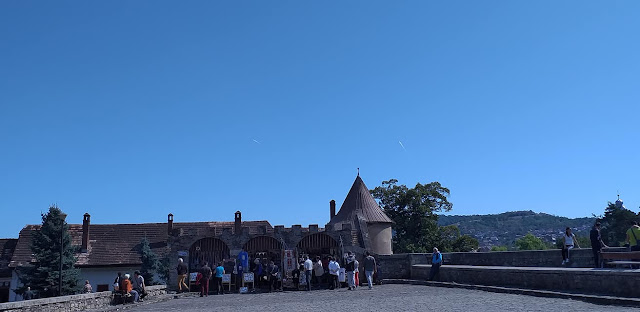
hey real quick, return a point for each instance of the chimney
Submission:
(332, 209)
(86, 220)
(170, 224)
(238, 224)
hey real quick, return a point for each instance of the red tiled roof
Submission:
(116, 244)
(359, 202)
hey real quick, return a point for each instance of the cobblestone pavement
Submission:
(381, 298)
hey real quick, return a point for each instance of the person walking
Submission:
(308, 271)
(182, 275)
(569, 241)
(334, 270)
(370, 268)
(596, 244)
(350, 268)
(436, 262)
(204, 281)
(217, 282)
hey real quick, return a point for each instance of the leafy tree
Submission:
(617, 220)
(499, 248)
(150, 262)
(464, 243)
(414, 212)
(530, 242)
(450, 240)
(43, 274)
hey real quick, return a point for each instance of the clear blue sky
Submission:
(130, 110)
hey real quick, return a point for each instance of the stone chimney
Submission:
(332, 209)
(170, 224)
(86, 220)
(238, 223)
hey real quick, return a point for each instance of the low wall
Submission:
(615, 282)
(72, 303)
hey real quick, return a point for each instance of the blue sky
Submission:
(130, 110)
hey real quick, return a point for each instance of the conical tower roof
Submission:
(359, 202)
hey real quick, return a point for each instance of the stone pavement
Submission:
(381, 298)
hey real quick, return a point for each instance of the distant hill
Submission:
(503, 229)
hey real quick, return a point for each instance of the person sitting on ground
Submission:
(633, 237)
(436, 262)
(334, 271)
(569, 241)
(138, 284)
(87, 289)
(127, 288)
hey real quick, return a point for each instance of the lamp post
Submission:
(63, 216)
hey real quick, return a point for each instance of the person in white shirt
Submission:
(308, 270)
(334, 269)
(569, 240)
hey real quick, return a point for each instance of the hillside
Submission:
(503, 229)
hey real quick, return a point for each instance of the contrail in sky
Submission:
(402, 145)
(254, 140)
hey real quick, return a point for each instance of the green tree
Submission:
(499, 248)
(42, 275)
(617, 220)
(150, 262)
(464, 243)
(414, 212)
(530, 242)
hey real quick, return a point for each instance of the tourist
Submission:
(633, 234)
(569, 239)
(596, 244)
(272, 273)
(318, 271)
(295, 275)
(370, 268)
(28, 294)
(138, 284)
(182, 275)
(356, 272)
(436, 262)
(334, 270)
(87, 289)
(257, 271)
(217, 279)
(350, 268)
(204, 280)
(117, 283)
(127, 288)
(308, 271)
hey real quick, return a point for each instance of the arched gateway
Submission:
(210, 249)
(318, 244)
(265, 248)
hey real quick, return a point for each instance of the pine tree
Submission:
(43, 274)
(150, 262)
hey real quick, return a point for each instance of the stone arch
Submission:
(318, 244)
(264, 247)
(209, 249)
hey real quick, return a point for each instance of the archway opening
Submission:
(210, 249)
(318, 245)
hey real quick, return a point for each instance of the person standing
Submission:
(318, 271)
(596, 244)
(182, 275)
(370, 268)
(204, 281)
(356, 272)
(272, 273)
(569, 241)
(218, 279)
(28, 294)
(334, 270)
(436, 262)
(350, 268)
(633, 237)
(308, 271)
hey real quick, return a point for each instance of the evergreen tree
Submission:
(150, 262)
(617, 220)
(43, 274)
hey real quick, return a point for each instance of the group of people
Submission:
(133, 286)
(316, 271)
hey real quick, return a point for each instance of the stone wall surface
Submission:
(580, 258)
(72, 303)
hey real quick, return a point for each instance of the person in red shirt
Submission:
(128, 288)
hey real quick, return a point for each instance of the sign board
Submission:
(244, 290)
(193, 276)
(226, 278)
(183, 253)
(289, 260)
(342, 275)
(248, 277)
